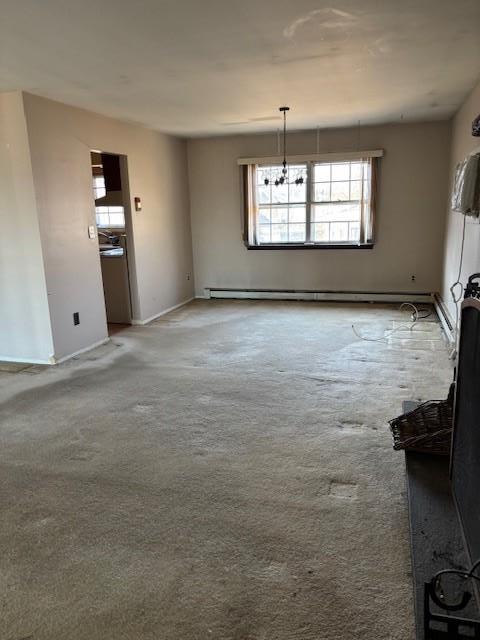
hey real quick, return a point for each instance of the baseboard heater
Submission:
(444, 317)
(326, 296)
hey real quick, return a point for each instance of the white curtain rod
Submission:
(347, 155)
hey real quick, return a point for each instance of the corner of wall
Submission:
(26, 334)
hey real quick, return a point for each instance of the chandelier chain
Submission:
(284, 174)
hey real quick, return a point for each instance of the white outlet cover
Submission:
(91, 232)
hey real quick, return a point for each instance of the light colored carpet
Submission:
(225, 472)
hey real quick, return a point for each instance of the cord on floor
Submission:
(415, 317)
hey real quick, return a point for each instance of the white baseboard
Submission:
(53, 360)
(162, 313)
(26, 360)
(80, 351)
(325, 296)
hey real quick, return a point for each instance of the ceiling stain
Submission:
(194, 69)
(255, 119)
(381, 46)
(298, 59)
(265, 118)
(327, 18)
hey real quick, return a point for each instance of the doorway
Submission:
(113, 221)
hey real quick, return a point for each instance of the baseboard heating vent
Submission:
(444, 317)
(326, 296)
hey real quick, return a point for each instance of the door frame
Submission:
(129, 232)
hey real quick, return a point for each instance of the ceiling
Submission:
(202, 67)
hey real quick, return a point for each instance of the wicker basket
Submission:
(428, 428)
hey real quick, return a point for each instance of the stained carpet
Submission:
(225, 472)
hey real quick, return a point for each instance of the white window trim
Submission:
(310, 161)
(314, 157)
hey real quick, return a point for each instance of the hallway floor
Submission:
(225, 472)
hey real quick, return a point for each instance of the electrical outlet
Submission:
(76, 318)
(188, 276)
(413, 278)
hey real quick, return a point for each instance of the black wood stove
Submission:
(444, 503)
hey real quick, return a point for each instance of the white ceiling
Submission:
(198, 67)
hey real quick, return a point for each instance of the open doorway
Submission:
(112, 214)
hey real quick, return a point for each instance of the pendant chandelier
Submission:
(283, 177)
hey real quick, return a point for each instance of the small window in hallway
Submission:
(99, 190)
(109, 211)
(110, 217)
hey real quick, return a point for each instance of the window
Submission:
(282, 209)
(99, 190)
(107, 216)
(333, 206)
(338, 194)
(110, 217)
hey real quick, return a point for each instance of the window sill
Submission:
(308, 247)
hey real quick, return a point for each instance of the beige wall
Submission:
(25, 333)
(462, 144)
(61, 138)
(45, 161)
(411, 204)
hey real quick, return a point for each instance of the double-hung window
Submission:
(322, 203)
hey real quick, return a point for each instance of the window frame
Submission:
(279, 205)
(109, 213)
(251, 208)
(104, 209)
